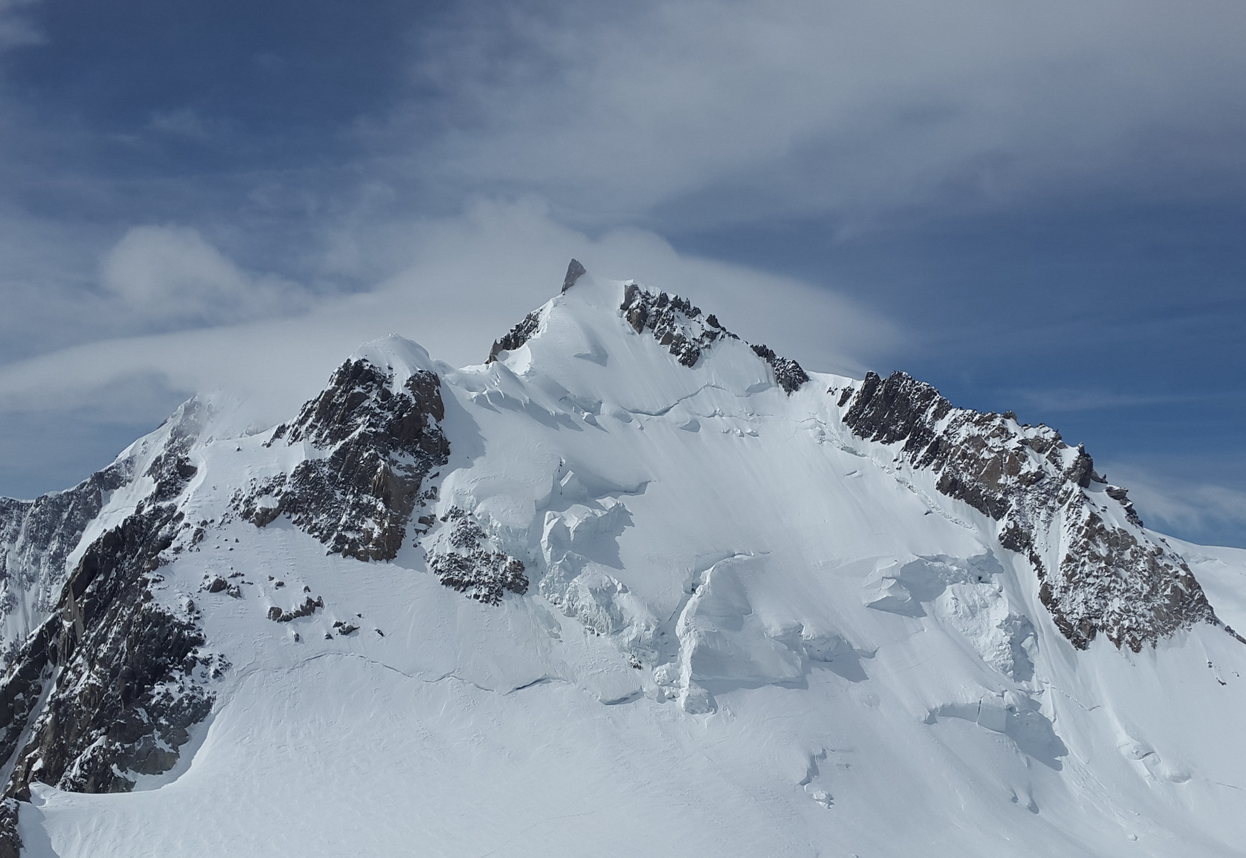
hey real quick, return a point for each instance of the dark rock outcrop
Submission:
(36, 538)
(462, 559)
(306, 609)
(171, 469)
(381, 445)
(517, 336)
(574, 272)
(22, 688)
(679, 326)
(1095, 576)
(673, 321)
(107, 687)
(787, 372)
(10, 840)
(522, 332)
(1117, 493)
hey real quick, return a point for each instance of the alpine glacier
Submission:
(630, 586)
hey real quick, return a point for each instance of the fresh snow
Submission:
(749, 633)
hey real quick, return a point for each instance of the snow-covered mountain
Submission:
(631, 586)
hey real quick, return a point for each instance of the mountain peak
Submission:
(574, 271)
(673, 322)
(397, 355)
(629, 538)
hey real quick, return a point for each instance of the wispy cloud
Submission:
(243, 218)
(813, 105)
(470, 278)
(15, 27)
(1191, 509)
(167, 274)
(1080, 399)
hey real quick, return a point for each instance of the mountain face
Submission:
(631, 585)
(376, 443)
(1098, 570)
(36, 538)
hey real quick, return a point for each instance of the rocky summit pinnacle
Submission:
(574, 271)
(668, 575)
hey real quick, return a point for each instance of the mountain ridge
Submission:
(384, 469)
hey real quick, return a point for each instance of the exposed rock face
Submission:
(10, 841)
(679, 326)
(108, 686)
(381, 445)
(306, 609)
(673, 322)
(22, 688)
(574, 272)
(787, 372)
(108, 683)
(517, 336)
(1096, 577)
(463, 559)
(522, 332)
(1117, 493)
(37, 537)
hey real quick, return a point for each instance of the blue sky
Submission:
(1037, 209)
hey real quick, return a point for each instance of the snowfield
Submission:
(746, 632)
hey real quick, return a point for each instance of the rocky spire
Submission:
(574, 272)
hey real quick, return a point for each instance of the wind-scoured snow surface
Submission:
(652, 595)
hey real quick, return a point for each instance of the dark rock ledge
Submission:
(574, 272)
(787, 372)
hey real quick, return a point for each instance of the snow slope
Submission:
(746, 631)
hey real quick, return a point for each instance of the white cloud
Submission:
(471, 278)
(165, 273)
(1190, 508)
(828, 104)
(1072, 399)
